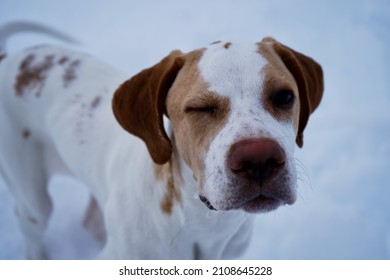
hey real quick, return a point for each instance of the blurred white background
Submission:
(343, 211)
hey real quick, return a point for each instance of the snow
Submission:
(342, 210)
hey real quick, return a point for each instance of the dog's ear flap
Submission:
(139, 104)
(309, 77)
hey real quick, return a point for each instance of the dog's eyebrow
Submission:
(204, 100)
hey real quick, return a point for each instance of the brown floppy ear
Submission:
(139, 105)
(309, 77)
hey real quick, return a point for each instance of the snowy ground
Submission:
(343, 210)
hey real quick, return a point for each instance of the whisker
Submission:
(303, 175)
(301, 197)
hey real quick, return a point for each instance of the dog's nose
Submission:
(256, 159)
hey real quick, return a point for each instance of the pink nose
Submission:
(256, 159)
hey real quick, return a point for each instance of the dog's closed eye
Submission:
(202, 106)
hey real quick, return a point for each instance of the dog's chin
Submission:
(261, 204)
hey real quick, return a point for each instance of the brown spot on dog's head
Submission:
(70, 72)
(26, 133)
(307, 74)
(279, 85)
(196, 114)
(32, 75)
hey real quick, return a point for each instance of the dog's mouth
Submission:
(206, 202)
(260, 203)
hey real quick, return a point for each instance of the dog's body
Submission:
(234, 112)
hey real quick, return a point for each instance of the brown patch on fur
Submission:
(93, 221)
(297, 72)
(227, 45)
(63, 60)
(32, 220)
(26, 133)
(171, 175)
(70, 72)
(32, 75)
(277, 78)
(194, 124)
(96, 101)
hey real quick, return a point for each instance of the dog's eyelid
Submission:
(201, 109)
(201, 105)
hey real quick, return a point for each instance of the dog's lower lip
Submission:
(262, 199)
(261, 203)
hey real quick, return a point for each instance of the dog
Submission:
(178, 158)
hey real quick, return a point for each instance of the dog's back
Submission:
(45, 108)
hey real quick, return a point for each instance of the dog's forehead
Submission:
(232, 69)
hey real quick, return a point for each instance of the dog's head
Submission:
(236, 112)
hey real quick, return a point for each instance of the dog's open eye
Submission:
(283, 99)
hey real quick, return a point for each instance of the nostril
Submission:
(274, 163)
(258, 171)
(241, 166)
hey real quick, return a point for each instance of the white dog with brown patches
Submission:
(218, 127)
